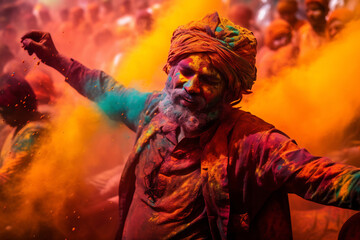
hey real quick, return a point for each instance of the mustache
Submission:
(183, 116)
(178, 94)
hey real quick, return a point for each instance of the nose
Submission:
(192, 86)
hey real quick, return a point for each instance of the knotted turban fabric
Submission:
(231, 48)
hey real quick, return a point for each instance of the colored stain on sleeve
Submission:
(123, 105)
(348, 183)
(218, 29)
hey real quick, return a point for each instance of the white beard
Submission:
(190, 121)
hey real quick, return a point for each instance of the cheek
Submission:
(212, 94)
(172, 81)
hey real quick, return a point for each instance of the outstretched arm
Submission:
(118, 102)
(283, 163)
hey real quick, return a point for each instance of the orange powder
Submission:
(316, 100)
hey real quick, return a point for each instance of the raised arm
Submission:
(118, 102)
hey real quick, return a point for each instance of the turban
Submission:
(324, 3)
(287, 6)
(342, 14)
(276, 29)
(231, 48)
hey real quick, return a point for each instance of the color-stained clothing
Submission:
(246, 166)
(19, 148)
(168, 198)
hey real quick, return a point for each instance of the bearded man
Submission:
(313, 34)
(201, 168)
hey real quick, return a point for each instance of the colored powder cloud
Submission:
(316, 100)
(142, 67)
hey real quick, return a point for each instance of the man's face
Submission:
(335, 27)
(315, 13)
(198, 84)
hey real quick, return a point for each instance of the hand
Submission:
(41, 44)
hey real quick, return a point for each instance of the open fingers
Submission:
(34, 35)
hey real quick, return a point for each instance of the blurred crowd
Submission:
(293, 30)
(100, 32)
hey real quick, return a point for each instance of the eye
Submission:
(209, 80)
(187, 72)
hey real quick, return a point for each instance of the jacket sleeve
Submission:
(282, 163)
(117, 102)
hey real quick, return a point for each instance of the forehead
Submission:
(198, 62)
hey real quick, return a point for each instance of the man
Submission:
(279, 52)
(201, 168)
(18, 108)
(313, 34)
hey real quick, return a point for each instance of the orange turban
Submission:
(342, 14)
(287, 6)
(276, 28)
(324, 3)
(231, 48)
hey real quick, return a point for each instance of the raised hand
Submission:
(41, 44)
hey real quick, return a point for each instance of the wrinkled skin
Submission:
(200, 86)
(194, 94)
